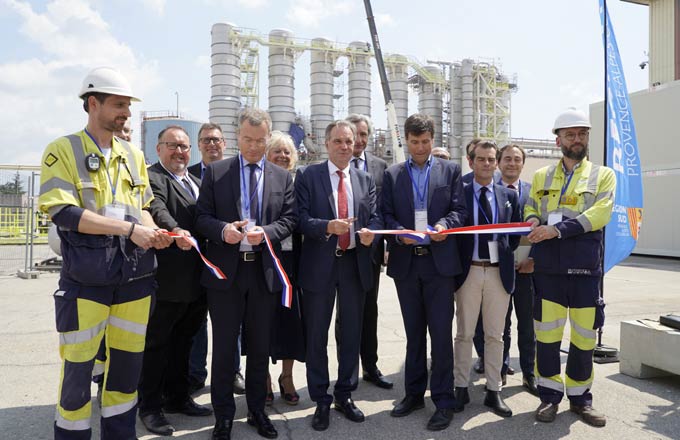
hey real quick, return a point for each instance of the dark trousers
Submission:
(523, 298)
(247, 301)
(165, 370)
(426, 300)
(369, 331)
(198, 373)
(318, 307)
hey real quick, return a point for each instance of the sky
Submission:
(163, 47)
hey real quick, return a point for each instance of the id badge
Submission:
(493, 251)
(248, 227)
(554, 218)
(421, 220)
(115, 212)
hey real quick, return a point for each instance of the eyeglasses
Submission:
(172, 146)
(211, 140)
(572, 136)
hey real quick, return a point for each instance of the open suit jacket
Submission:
(219, 203)
(507, 205)
(445, 205)
(173, 206)
(316, 208)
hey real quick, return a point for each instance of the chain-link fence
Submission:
(23, 229)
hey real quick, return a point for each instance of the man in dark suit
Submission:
(242, 198)
(180, 304)
(511, 160)
(425, 191)
(487, 279)
(211, 145)
(337, 207)
(374, 166)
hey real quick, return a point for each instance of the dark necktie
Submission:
(356, 162)
(511, 186)
(343, 210)
(484, 217)
(254, 197)
(187, 185)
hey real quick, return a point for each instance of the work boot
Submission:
(589, 414)
(546, 412)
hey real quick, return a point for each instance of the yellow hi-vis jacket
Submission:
(582, 205)
(66, 180)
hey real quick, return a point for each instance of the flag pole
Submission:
(602, 353)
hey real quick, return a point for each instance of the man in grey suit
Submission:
(374, 166)
(242, 198)
(337, 207)
(180, 305)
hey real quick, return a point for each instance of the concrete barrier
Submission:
(649, 349)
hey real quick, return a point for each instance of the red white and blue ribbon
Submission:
(287, 294)
(519, 228)
(211, 267)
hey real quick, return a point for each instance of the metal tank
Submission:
(430, 100)
(359, 78)
(225, 90)
(467, 106)
(456, 114)
(281, 79)
(321, 88)
(397, 76)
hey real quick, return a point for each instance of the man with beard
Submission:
(569, 205)
(96, 189)
(180, 306)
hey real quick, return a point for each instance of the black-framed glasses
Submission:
(211, 140)
(172, 146)
(571, 136)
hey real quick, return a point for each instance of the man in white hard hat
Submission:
(96, 189)
(569, 205)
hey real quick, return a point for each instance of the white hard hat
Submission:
(572, 117)
(106, 80)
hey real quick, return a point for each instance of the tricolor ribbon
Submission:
(286, 295)
(211, 267)
(518, 228)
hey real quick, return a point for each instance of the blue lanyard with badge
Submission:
(556, 216)
(93, 163)
(420, 211)
(248, 201)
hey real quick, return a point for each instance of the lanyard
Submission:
(494, 214)
(113, 185)
(566, 186)
(421, 197)
(244, 190)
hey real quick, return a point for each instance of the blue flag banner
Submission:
(622, 155)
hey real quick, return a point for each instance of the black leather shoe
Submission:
(407, 405)
(349, 409)
(188, 408)
(462, 398)
(377, 378)
(494, 401)
(479, 366)
(441, 419)
(529, 382)
(510, 370)
(264, 426)
(239, 384)
(157, 423)
(321, 416)
(195, 387)
(222, 430)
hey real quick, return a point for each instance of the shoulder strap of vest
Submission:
(87, 193)
(132, 164)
